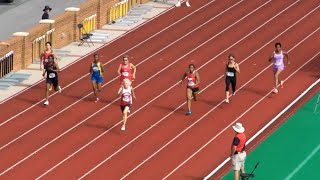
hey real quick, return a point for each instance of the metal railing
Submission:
(6, 64)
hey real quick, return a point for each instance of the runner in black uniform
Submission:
(52, 70)
(232, 69)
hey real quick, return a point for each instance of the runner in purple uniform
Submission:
(278, 65)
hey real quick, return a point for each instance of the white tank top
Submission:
(126, 97)
(278, 58)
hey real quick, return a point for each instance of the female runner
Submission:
(125, 68)
(46, 53)
(52, 70)
(278, 65)
(125, 93)
(232, 69)
(96, 71)
(193, 80)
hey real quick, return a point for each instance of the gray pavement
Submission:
(24, 14)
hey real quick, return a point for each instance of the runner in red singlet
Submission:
(125, 70)
(125, 93)
(193, 79)
(46, 53)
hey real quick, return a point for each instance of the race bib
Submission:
(191, 83)
(231, 74)
(126, 98)
(277, 63)
(46, 60)
(95, 69)
(52, 75)
(125, 74)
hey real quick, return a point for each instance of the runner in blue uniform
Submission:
(96, 71)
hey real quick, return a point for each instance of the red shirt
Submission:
(191, 77)
(126, 97)
(125, 72)
(239, 141)
(46, 56)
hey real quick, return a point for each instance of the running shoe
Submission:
(46, 103)
(187, 3)
(275, 91)
(123, 128)
(97, 100)
(281, 84)
(59, 89)
(178, 4)
(227, 100)
(189, 113)
(234, 93)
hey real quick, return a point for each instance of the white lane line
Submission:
(304, 162)
(141, 62)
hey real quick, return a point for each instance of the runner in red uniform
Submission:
(125, 70)
(125, 93)
(193, 79)
(45, 55)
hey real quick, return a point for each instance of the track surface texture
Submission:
(75, 138)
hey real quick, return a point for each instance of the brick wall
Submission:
(66, 30)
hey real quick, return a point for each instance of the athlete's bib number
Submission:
(126, 98)
(46, 60)
(95, 69)
(231, 74)
(125, 74)
(52, 75)
(277, 63)
(191, 83)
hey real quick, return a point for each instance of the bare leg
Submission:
(125, 116)
(195, 96)
(94, 87)
(227, 96)
(189, 97)
(236, 175)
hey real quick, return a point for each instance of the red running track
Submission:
(77, 137)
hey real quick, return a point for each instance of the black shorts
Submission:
(54, 82)
(194, 90)
(122, 107)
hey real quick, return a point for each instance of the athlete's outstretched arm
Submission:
(183, 77)
(119, 70)
(287, 57)
(132, 91)
(197, 78)
(119, 92)
(270, 58)
(134, 70)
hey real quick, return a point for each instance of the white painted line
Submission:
(272, 121)
(63, 110)
(304, 162)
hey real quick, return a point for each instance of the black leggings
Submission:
(233, 82)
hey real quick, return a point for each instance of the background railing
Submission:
(6, 64)
(39, 44)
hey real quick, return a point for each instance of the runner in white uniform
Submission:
(126, 93)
